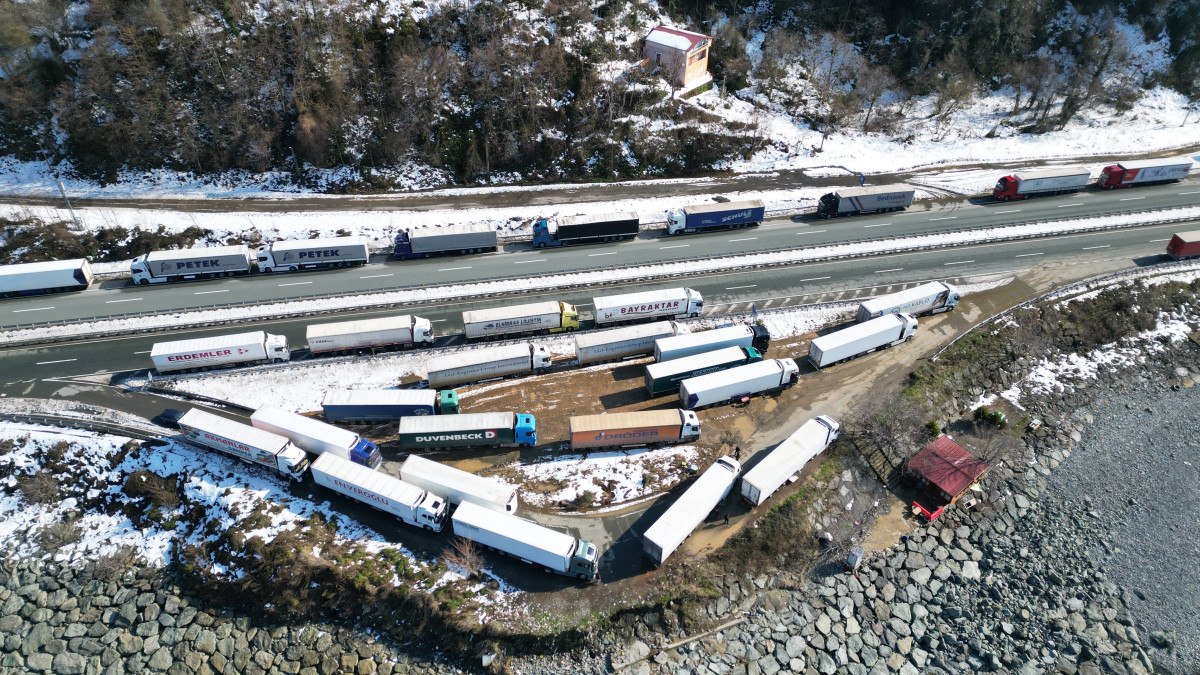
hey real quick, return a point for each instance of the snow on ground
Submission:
(232, 496)
(588, 279)
(612, 477)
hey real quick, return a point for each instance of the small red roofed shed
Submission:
(949, 470)
(681, 54)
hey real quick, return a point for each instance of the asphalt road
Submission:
(118, 298)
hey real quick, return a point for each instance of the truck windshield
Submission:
(300, 467)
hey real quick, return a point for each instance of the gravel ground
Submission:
(1138, 466)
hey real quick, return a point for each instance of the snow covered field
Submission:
(615, 477)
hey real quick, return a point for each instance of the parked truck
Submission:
(307, 254)
(587, 229)
(934, 297)
(1144, 172)
(647, 427)
(862, 338)
(738, 383)
(551, 316)
(729, 215)
(1026, 184)
(158, 267)
(471, 430)
(449, 240)
(741, 335)
(620, 343)
(220, 351)
(369, 335)
(670, 303)
(788, 458)
(368, 406)
(52, 276)
(459, 487)
(1184, 245)
(663, 378)
(868, 199)
(316, 437)
(408, 503)
(527, 541)
(244, 442)
(675, 525)
(523, 358)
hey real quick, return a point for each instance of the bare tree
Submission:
(466, 555)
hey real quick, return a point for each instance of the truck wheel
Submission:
(539, 246)
(266, 270)
(143, 282)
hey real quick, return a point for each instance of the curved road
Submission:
(118, 298)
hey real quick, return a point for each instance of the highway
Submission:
(118, 298)
(44, 371)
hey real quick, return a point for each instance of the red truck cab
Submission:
(1113, 176)
(1184, 245)
(1006, 189)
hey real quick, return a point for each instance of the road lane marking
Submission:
(109, 302)
(745, 239)
(1158, 241)
(1196, 192)
(145, 352)
(1026, 255)
(663, 248)
(451, 269)
(814, 279)
(1130, 199)
(960, 262)
(1088, 248)
(526, 262)
(593, 255)
(1008, 211)
(46, 363)
(436, 320)
(296, 283)
(734, 288)
(944, 218)
(376, 276)
(35, 309)
(813, 232)
(1063, 206)
(894, 269)
(207, 292)
(877, 225)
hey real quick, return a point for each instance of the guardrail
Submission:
(567, 285)
(52, 420)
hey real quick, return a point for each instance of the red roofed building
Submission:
(949, 471)
(681, 54)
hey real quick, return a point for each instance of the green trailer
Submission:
(664, 378)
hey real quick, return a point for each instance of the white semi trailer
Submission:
(44, 277)
(787, 458)
(934, 297)
(244, 442)
(862, 338)
(744, 381)
(219, 351)
(675, 525)
(159, 267)
(304, 254)
(689, 344)
(523, 358)
(527, 541)
(389, 494)
(620, 343)
(369, 334)
(458, 486)
(317, 437)
(670, 303)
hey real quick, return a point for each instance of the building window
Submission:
(658, 58)
(698, 56)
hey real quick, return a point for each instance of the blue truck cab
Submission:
(525, 430)
(366, 453)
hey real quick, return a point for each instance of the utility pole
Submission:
(62, 189)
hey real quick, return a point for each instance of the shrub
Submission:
(53, 537)
(39, 488)
(157, 490)
(933, 428)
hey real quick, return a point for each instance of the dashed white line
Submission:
(663, 248)
(109, 302)
(1158, 241)
(1194, 192)
(1063, 206)
(745, 239)
(225, 290)
(296, 283)
(877, 225)
(35, 309)
(813, 232)
(815, 279)
(734, 288)
(436, 320)
(1026, 255)
(1130, 199)
(894, 269)
(526, 262)
(594, 255)
(1008, 211)
(145, 352)
(377, 276)
(451, 269)
(46, 363)
(1089, 248)
(944, 218)
(960, 262)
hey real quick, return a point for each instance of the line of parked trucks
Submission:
(331, 252)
